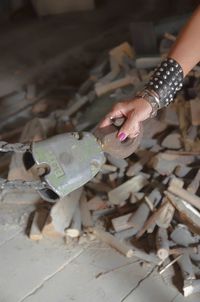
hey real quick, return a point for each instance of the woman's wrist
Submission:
(165, 82)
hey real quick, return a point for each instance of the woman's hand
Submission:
(135, 111)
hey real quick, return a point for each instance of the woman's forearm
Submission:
(186, 50)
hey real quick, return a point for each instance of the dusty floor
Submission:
(48, 271)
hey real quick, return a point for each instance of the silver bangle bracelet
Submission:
(151, 97)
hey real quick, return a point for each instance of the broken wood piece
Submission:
(112, 177)
(86, 217)
(74, 230)
(49, 229)
(172, 141)
(191, 287)
(121, 223)
(182, 170)
(170, 37)
(137, 196)
(170, 116)
(151, 258)
(120, 163)
(136, 219)
(182, 250)
(165, 163)
(170, 264)
(187, 213)
(123, 192)
(162, 244)
(38, 224)
(97, 203)
(182, 236)
(106, 168)
(191, 198)
(195, 112)
(152, 200)
(99, 187)
(178, 182)
(118, 54)
(152, 127)
(113, 242)
(134, 169)
(78, 103)
(126, 234)
(102, 89)
(186, 267)
(152, 219)
(63, 211)
(166, 216)
(147, 62)
(139, 217)
(194, 185)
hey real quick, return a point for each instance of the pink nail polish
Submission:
(122, 136)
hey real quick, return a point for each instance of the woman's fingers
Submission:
(135, 111)
(108, 119)
(130, 128)
(119, 110)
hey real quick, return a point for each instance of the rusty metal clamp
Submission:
(110, 143)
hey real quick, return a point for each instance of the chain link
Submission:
(21, 185)
(18, 147)
(18, 184)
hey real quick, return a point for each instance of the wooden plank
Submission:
(74, 230)
(38, 224)
(86, 216)
(102, 89)
(185, 195)
(97, 203)
(194, 185)
(165, 163)
(166, 216)
(152, 219)
(63, 211)
(49, 230)
(187, 213)
(172, 141)
(109, 239)
(123, 192)
(195, 112)
(162, 244)
(121, 223)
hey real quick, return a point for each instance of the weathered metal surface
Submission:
(71, 160)
(111, 144)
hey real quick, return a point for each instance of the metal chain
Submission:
(18, 184)
(21, 185)
(18, 147)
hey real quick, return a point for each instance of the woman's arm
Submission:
(186, 52)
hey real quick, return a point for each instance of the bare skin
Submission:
(186, 51)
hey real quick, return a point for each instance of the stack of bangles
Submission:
(166, 80)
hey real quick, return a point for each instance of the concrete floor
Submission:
(49, 271)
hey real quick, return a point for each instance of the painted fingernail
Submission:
(122, 136)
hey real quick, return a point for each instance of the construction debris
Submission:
(146, 206)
